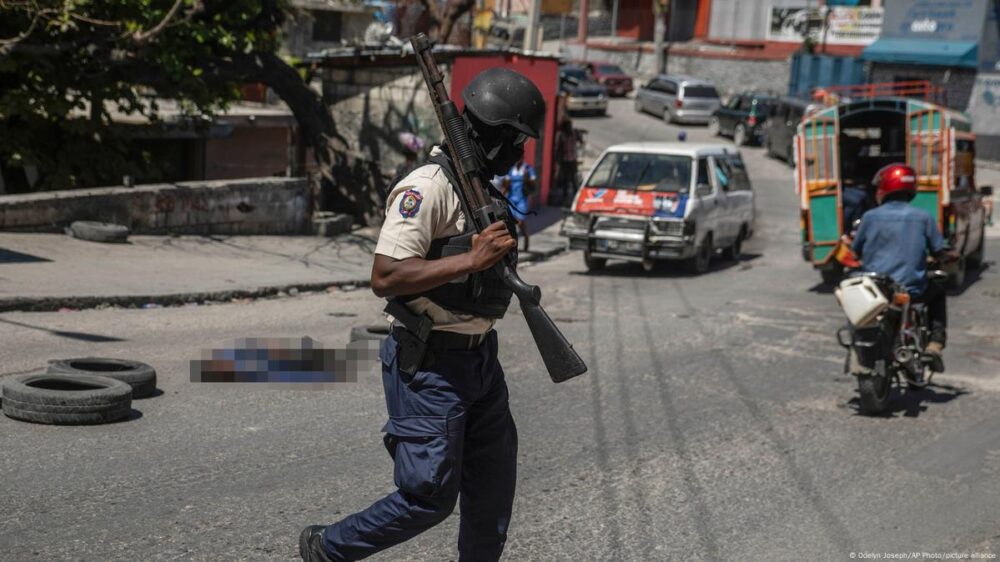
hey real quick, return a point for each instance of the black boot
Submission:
(311, 544)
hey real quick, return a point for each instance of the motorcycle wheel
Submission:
(874, 391)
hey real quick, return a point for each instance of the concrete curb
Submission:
(50, 304)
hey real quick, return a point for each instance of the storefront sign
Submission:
(843, 26)
(940, 20)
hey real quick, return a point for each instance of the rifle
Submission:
(561, 361)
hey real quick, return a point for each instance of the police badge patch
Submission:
(409, 203)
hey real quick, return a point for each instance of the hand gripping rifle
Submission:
(560, 359)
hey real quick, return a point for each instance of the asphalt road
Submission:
(715, 423)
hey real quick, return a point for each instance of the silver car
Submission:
(679, 99)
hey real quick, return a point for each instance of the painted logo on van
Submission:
(626, 201)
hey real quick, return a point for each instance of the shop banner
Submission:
(843, 26)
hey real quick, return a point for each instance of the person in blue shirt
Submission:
(518, 184)
(895, 239)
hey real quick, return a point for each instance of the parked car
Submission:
(742, 117)
(662, 201)
(678, 99)
(782, 120)
(611, 76)
(583, 94)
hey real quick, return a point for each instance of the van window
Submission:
(722, 172)
(643, 172)
(738, 178)
(701, 92)
(704, 184)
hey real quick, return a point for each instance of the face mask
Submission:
(501, 158)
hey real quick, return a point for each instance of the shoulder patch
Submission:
(409, 203)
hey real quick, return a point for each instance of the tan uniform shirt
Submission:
(421, 208)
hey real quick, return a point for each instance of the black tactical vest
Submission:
(481, 294)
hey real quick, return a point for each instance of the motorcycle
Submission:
(885, 337)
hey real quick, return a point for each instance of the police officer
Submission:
(450, 431)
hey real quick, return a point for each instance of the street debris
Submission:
(98, 231)
(66, 400)
(140, 376)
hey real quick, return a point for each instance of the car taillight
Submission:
(751, 120)
(678, 103)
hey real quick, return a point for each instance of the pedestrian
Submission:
(566, 155)
(518, 185)
(450, 430)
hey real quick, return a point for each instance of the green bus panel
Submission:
(823, 218)
(820, 252)
(926, 122)
(928, 201)
(819, 129)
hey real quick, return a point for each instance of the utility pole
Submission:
(661, 11)
(614, 18)
(531, 33)
(582, 27)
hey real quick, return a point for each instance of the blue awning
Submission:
(923, 51)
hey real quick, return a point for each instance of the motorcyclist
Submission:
(895, 238)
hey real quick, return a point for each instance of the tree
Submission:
(65, 63)
(443, 23)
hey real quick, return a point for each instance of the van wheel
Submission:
(667, 116)
(713, 126)
(592, 263)
(702, 259)
(638, 105)
(957, 279)
(735, 251)
(975, 259)
(740, 135)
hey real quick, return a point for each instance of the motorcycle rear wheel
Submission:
(874, 391)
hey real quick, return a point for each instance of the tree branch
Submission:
(144, 36)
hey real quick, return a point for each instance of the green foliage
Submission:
(67, 65)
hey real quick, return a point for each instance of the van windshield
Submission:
(643, 172)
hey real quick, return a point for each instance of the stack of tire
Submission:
(84, 391)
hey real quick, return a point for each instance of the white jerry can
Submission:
(861, 300)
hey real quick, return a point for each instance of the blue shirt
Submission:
(894, 239)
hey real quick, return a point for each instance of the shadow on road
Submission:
(911, 403)
(10, 256)
(972, 275)
(82, 336)
(668, 269)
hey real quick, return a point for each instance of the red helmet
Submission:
(894, 178)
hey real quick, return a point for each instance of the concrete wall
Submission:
(248, 206)
(729, 75)
(249, 152)
(372, 105)
(958, 87)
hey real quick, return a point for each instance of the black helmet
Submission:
(500, 96)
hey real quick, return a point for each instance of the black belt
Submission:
(450, 341)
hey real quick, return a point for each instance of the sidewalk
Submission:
(53, 271)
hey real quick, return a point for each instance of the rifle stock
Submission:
(561, 361)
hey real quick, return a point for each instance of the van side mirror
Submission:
(986, 190)
(702, 189)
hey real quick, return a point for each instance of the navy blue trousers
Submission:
(451, 437)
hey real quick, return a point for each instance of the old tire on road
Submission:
(66, 400)
(99, 231)
(140, 376)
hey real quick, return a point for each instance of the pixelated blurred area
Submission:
(284, 361)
